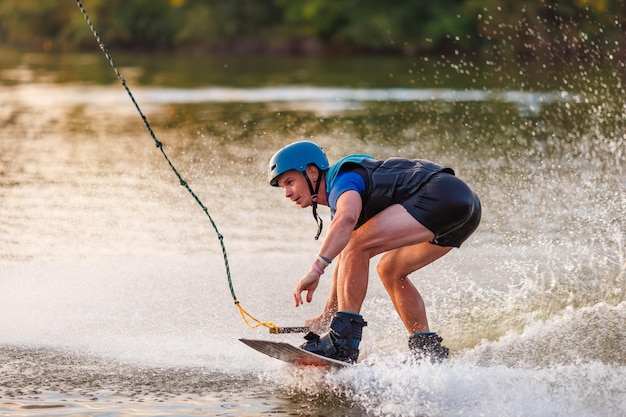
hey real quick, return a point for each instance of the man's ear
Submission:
(312, 172)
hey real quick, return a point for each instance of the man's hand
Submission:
(307, 283)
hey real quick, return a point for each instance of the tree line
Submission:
(547, 28)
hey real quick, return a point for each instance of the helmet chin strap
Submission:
(314, 192)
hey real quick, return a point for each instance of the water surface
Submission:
(114, 297)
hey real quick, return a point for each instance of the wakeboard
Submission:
(292, 354)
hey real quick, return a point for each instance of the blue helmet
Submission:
(298, 156)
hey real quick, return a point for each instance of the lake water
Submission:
(114, 297)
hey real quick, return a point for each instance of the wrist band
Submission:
(317, 269)
(323, 260)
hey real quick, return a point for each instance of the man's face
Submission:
(296, 188)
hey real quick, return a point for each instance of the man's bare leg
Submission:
(394, 268)
(390, 229)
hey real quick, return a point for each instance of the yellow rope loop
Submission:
(245, 315)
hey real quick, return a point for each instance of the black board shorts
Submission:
(446, 206)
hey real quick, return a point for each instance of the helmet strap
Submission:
(314, 193)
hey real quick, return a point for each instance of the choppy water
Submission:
(113, 292)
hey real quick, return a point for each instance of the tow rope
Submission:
(248, 318)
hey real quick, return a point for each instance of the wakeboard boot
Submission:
(427, 345)
(342, 340)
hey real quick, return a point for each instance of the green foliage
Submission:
(534, 27)
(38, 23)
(145, 24)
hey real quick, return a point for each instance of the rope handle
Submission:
(303, 329)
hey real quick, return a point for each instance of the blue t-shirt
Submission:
(345, 181)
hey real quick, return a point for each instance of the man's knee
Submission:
(359, 246)
(388, 271)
